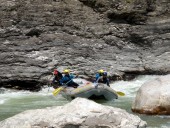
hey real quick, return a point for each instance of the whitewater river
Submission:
(13, 102)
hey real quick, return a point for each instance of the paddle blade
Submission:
(120, 93)
(56, 91)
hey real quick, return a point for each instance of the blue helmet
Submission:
(104, 73)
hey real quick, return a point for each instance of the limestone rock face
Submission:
(123, 37)
(153, 97)
(80, 113)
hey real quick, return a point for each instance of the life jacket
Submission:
(66, 79)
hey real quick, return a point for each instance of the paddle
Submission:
(56, 91)
(120, 93)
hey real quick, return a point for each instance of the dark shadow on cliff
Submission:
(30, 85)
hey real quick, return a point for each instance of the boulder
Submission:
(153, 97)
(80, 113)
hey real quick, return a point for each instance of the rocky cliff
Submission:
(124, 37)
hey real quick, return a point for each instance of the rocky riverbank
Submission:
(125, 38)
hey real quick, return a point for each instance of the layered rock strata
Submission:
(125, 37)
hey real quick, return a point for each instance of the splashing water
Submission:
(13, 101)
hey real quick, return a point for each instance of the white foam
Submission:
(130, 87)
(2, 101)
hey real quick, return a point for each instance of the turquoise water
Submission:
(13, 102)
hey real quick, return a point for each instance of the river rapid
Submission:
(13, 102)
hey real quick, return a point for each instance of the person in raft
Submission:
(56, 80)
(67, 79)
(101, 77)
